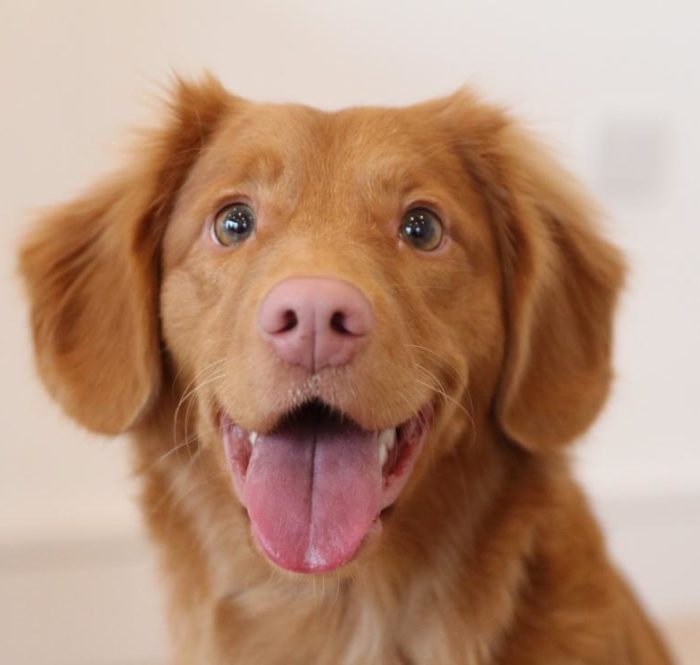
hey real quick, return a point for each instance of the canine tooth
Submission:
(252, 438)
(383, 454)
(387, 438)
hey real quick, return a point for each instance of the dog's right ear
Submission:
(91, 271)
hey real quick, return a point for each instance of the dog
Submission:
(352, 350)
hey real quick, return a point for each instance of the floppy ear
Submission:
(561, 281)
(91, 271)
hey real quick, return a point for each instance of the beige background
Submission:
(614, 85)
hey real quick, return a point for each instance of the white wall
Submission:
(613, 84)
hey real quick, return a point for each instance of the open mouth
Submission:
(316, 484)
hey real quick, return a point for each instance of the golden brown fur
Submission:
(490, 556)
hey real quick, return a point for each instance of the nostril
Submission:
(289, 321)
(339, 323)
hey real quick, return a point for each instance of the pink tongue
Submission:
(312, 493)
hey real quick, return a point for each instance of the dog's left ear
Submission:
(561, 281)
(91, 271)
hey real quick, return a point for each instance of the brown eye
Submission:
(422, 229)
(233, 224)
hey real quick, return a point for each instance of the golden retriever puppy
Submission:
(351, 350)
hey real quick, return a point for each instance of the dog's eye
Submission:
(422, 229)
(233, 224)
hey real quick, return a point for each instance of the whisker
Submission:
(194, 438)
(440, 390)
(444, 362)
(187, 391)
(193, 392)
(189, 394)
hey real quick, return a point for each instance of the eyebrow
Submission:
(264, 167)
(392, 176)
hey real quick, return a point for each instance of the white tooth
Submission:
(387, 438)
(383, 454)
(252, 438)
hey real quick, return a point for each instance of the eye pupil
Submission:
(234, 224)
(422, 229)
(416, 226)
(237, 224)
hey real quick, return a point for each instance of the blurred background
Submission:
(611, 84)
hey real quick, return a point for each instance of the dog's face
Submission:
(344, 296)
(326, 277)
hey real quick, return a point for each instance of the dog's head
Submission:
(343, 296)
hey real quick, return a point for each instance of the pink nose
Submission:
(315, 322)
